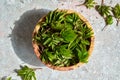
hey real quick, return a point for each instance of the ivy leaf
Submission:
(89, 3)
(68, 35)
(26, 73)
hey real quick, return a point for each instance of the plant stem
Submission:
(104, 27)
(46, 30)
(118, 20)
(80, 5)
(102, 3)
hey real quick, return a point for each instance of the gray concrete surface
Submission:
(17, 21)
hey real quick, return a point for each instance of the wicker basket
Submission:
(37, 50)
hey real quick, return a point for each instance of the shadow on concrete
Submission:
(21, 36)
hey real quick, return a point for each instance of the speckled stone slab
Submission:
(17, 21)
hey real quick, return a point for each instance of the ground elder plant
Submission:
(63, 39)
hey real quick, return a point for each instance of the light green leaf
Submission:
(68, 35)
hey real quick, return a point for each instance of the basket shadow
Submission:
(21, 36)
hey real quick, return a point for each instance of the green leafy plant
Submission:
(64, 39)
(26, 73)
(116, 12)
(106, 12)
(89, 3)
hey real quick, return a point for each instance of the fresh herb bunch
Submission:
(108, 12)
(105, 12)
(26, 73)
(89, 3)
(116, 12)
(64, 39)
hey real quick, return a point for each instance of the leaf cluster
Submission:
(26, 73)
(65, 38)
(89, 3)
(105, 12)
(108, 12)
(116, 12)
